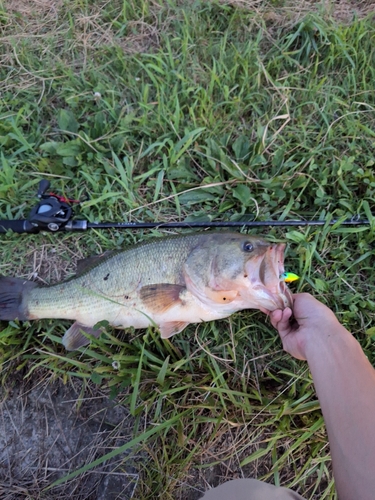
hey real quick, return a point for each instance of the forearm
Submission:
(345, 384)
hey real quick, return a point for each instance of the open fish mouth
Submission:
(272, 292)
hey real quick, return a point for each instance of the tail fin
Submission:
(12, 293)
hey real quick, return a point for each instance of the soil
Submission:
(47, 429)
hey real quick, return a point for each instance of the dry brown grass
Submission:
(290, 11)
(38, 21)
(43, 18)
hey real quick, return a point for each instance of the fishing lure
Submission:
(289, 277)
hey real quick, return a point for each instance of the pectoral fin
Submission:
(171, 328)
(74, 338)
(221, 296)
(159, 298)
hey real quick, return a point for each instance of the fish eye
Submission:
(248, 247)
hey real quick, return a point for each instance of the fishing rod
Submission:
(55, 213)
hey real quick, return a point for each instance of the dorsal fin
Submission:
(84, 265)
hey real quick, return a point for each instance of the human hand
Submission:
(309, 322)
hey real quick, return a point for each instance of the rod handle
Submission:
(18, 226)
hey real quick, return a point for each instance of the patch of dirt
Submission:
(48, 429)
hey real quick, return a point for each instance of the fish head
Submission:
(238, 271)
(266, 286)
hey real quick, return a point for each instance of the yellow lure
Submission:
(289, 277)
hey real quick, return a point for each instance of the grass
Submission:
(181, 110)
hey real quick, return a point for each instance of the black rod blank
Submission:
(25, 226)
(200, 224)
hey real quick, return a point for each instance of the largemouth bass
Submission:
(168, 282)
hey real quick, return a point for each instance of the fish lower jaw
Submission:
(268, 300)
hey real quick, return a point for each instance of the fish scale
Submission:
(124, 272)
(167, 282)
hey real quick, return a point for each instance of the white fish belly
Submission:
(89, 309)
(136, 315)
